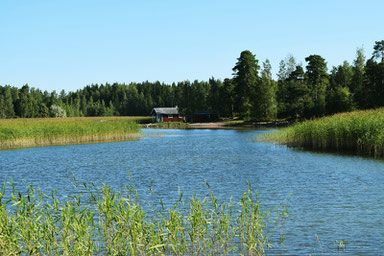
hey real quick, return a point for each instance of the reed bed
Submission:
(168, 125)
(16, 133)
(101, 221)
(359, 132)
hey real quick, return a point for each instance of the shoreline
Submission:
(218, 125)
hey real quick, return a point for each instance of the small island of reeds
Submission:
(19, 133)
(358, 132)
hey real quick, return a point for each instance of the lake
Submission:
(330, 197)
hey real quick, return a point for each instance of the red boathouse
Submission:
(205, 116)
(166, 115)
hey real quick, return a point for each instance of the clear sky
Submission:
(54, 45)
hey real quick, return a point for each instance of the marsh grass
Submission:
(169, 125)
(359, 132)
(16, 133)
(101, 221)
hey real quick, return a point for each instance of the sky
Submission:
(55, 45)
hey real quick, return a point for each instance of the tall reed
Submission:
(101, 221)
(16, 133)
(361, 132)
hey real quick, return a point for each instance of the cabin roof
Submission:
(166, 111)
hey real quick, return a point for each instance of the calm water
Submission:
(331, 197)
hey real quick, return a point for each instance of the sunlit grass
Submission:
(170, 125)
(101, 221)
(52, 131)
(361, 132)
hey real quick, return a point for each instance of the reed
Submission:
(168, 125)
(16, 133)
(101, 221)
(359, 132)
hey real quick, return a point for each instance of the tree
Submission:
(374, 83)
(62, 95)
(378, 50)
(83, 105)
(342, 75)
(44, 111)
(286, 67)
(54, 98)
(245, 80)
(339, 100)
(298, 100)
(360, 94)
(57, 111)
(215, 95)
(317, 79)
(265, 107)
(339, 96)
(23, 105)
(9, 111)
(228, 97)
(110, 110)
(2, 107)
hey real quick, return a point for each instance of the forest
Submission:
(252, 94)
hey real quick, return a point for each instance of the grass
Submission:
(359, 132)
(169, 125)
(100, 221)
(16, 133)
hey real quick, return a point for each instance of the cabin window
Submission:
(170, 116)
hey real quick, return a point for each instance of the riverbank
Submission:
(227, 124)
(358, 132)
(31, 132)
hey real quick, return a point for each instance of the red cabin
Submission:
(205, 116)
(166, 115)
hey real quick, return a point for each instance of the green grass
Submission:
(360, 132)
(16, 133)
(100, 221)
(170, 125)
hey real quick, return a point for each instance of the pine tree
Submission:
(246, 80)
(317, 79)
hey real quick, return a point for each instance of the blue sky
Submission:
(54, 45)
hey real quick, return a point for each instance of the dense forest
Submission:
(298, 93)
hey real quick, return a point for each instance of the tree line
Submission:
(299, 92)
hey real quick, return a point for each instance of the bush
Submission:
(57, 111)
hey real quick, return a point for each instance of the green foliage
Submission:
(339, 96)
(6, 107)
(246, 80)
(265, 99)
(294, 96)
(374, 83)
(361, 94)
(57, 111)
(339, 100)
(317, 79)
(44, 111)
(100, 221)
(378, 52)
